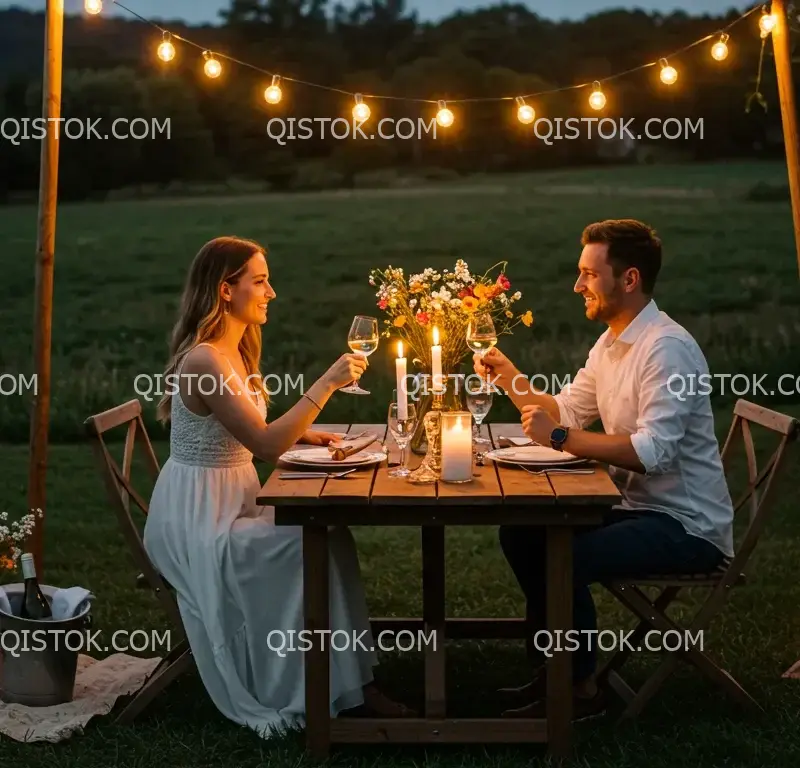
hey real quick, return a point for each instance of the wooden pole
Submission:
(45, 256)
(791, 141)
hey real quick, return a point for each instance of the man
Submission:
(676, 514)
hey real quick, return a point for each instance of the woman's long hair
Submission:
(201, 315)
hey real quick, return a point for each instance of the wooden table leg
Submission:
(317, 621)
(559, 617)
(433, 614)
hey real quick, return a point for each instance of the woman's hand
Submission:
(318, 437)
(346, 369)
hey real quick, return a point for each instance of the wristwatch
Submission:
(558, 437)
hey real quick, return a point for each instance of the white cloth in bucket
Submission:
(66, 602)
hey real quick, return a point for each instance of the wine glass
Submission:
(402, 430)
(479, 402)
(481, 334)
(363, 340)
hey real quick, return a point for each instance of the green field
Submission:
(730, 276)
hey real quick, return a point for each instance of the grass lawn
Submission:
(730, 277)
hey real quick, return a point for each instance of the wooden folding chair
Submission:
(652, 613)
(121, 493)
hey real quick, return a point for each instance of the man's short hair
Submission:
(631, 243)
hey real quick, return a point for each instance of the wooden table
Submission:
(499, 495)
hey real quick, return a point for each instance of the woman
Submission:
(237, 576)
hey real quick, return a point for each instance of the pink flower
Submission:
(503, 282)
(383, 304)
(422, 318)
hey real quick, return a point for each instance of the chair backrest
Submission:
(760, 483)
(121, 491)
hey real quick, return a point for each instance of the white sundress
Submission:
(238, 577)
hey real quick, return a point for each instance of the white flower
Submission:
(517, 296)
(503, 299)
(437, 305)
(412, 303)
(455, 303)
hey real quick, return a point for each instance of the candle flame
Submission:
(399, 348)
(435, 336)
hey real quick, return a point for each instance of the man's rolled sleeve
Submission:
(663, 415)
(577, 402)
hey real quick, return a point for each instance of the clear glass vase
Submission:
(452, 401)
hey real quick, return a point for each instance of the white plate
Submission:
(322, 457)
(533, 455)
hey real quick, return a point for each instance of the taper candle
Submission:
(436, 362)
(402, 392)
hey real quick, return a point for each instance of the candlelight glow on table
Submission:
(456, 447)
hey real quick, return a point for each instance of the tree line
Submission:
(218, 129)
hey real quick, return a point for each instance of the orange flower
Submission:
(470, 303)
(480, 291)
(6, 563)
(415, 287)
(527, 318)
(399, 321)
(509, 313)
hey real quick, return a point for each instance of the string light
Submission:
(525, 113)
(273, 93)
(444, 116)
(93, 6)
(166, 51)
(668, 74)
(767, 22)
(720, 49)
(212, 67)
(598, 99)
(360, 110)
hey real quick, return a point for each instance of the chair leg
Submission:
(609, 672)
(175, 663)
(634, 599)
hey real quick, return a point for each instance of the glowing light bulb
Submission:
(212, 67)
(597, 100)
(273, 93)
(668, 74)
(767, 22)
(525, 113)
(444, 116)
(719, 50)
(166, 51)
(93, 6)
(361, 111)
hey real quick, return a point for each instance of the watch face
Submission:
(559, 434)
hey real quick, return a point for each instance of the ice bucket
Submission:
(37, 667)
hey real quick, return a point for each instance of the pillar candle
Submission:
(402, 392)
(436, 362)
(456, 446)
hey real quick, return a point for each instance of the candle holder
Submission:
(456, 447)
(430, 468)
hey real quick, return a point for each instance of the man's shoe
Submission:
(583, 708)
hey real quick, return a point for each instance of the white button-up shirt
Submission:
(627, 383)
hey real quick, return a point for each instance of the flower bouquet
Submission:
(14, 536)
(445, 300)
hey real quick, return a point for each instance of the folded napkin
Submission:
(341, 449)
(65, 603)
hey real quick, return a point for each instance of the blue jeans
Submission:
(627, 545)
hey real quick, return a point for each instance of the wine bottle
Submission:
(34, 604)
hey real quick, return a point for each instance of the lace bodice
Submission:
(203, 440)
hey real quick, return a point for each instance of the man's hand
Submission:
(317, 437)
(538, 424)
(497, 369)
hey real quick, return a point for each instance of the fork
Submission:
(310, 475)
(554, 470)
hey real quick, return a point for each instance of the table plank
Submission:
(598, 488)
(517, 485)
(356, 487)
(397, 490)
